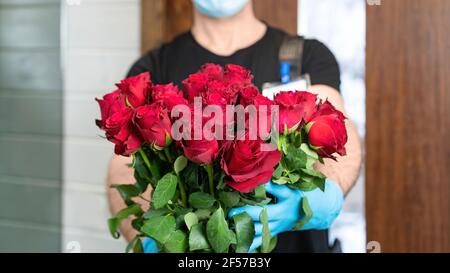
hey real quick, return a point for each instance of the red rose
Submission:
(212, 71)
(327, 132)
(116, 122)
(201, 151)
(295, 107)
(154, 124)
(216, 86)
(136, 89)
(111, 103)
(248, 95)
(246, 166)
(120, 131)
(168, 95)
(194, 85)
(326, 108)
(213, 78)
(230, 94)
(214, 98)
(237, 74)
(259, 101)
(262, 100)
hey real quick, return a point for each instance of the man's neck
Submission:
(224, 36)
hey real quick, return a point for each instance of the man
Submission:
(227, 31)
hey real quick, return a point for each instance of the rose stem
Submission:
(180, 183)
(147, 162)
(182, 191)
(168, 155)
(210, 171)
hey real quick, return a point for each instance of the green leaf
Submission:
(137, 223)
(320, 183)
(260, 192)
(190, 219)
(314, 177)
(180, 212)
(294, 177)
(191, 176)
(155, 212)
(252, 202)
(138, 246)
(310, 162)
(217, 232)
(308, 151)
(201, 200)
(273, 243)
(278, 172)
(197, 238)
(135, 245)
(229, 199)
(283, 143)
(159, 227)
(245, 231)
(134, 209)
(306, 184)
(203, 214)
(313, 173)
(165, 190)
(126, 191)
(306, 212)
(179, 164)
(266, 236)
(296, 159)
(282, 180)
(297, 139)
(177, 242)
(312, 157)
(113, 225)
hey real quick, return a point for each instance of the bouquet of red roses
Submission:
(209, 147)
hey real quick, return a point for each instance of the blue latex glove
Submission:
(286, 213)
(149, 245)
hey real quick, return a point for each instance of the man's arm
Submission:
(346, 169)
(120, 173)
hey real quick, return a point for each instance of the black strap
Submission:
(294, 43)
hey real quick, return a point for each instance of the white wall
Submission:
(341, 26)
(100, 41)
(30, 126)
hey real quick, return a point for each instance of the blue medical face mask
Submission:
(219, 8)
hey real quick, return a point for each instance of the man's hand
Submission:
(282, 216)
(286, 213)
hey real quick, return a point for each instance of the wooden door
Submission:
(408, 125)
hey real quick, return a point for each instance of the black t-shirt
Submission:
(174, 61)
